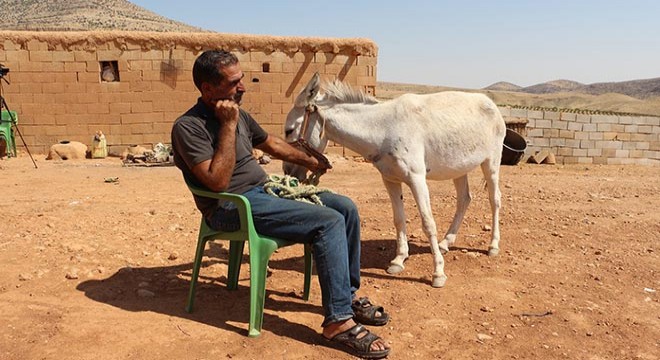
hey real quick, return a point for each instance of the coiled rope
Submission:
(288, 187)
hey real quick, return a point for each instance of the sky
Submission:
(467, 44)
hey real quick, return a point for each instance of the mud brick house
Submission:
(133, 85)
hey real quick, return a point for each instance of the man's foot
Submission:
(356, 339)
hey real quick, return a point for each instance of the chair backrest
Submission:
(9, 117)
(247, 230)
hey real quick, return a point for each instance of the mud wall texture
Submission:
(133, 85)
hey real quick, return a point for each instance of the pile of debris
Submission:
(136, 155)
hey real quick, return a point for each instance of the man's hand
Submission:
(226, 111)
(316, 165)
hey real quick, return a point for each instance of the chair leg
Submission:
(260, 252)
(308, 271)
(199, 253)
(235, 260)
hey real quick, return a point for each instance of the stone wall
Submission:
(591, 138)
(132, 85)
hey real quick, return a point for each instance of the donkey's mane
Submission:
(340, 92)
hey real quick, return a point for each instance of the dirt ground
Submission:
(100, 270)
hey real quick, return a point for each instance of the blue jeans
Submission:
(333, 230)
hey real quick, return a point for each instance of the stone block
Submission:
(521, 113)
(580, 152)
(575, 126)
(36, 45)
(557, 142)
(535, 114)
(551, 115)
(594, 152)
(596, 136)
(565, 151)
(587, 144)
(651, 154)
(98, 108)
(543, 124)
(41, 55)
(650, 120)
(80, 55)
(568, 116)
(606, 119)
(535, 133)
(583, 118)
(540, 142)
(625, 120)
(572, 143)
(566, 134)
(645, 129)
(622, 153)
(581, 135)
(605, 144)
(551, 133)
(602, 160)
(559, 124)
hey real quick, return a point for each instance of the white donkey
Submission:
(408, 139)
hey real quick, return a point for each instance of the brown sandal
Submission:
(366, 312)
(350, 342)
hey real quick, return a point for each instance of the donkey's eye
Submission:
(288, 132)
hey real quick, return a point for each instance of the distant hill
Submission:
(553, 87)
(640, 89)
(503, 86)
(81, 15)
(604, 102)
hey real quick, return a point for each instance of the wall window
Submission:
(109, 71)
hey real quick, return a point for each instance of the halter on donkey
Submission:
(314, 177)
(411, 138)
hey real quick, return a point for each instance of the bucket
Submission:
(513, 148)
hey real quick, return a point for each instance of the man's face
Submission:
(231, 87)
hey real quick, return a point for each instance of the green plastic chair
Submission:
(260, 249)
(7, 132)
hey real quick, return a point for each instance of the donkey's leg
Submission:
(491, 170)
(420, 191)
(462, 202)
(396, 196)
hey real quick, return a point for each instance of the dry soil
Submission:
(96, 260)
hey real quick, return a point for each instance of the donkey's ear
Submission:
(310, 91)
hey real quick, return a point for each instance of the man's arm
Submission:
(216, 173)
(282, 150)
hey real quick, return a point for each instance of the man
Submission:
(213, 143)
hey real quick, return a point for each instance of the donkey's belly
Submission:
(440, 169)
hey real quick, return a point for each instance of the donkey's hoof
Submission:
(493, 251)
(444, 246)
(439, 281)
(394, 269)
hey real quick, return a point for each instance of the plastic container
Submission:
(99, 146)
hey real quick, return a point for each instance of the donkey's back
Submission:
(458, 131)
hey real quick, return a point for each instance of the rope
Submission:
(288, 187)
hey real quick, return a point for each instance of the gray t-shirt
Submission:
(195, 139)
